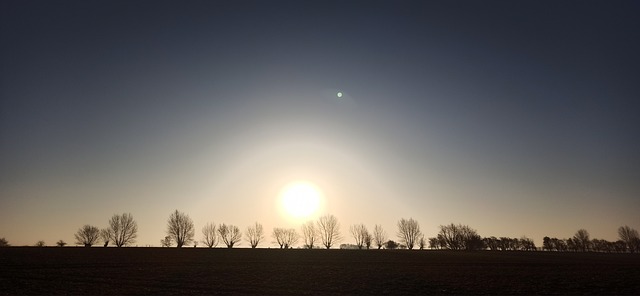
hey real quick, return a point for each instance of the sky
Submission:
(517, 118)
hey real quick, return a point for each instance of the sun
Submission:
(300, 199)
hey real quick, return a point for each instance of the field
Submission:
(91, 271)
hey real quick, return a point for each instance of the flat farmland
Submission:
(95, 271)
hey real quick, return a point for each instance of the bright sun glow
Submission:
(300, 199)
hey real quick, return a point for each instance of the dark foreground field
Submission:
(271, 271)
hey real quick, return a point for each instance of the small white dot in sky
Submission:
(339, 94)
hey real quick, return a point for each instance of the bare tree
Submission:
(630, 237)
(255, 234)
(40, 244)
(285, 238)
(526, 244)
(379, 236)
(360, 234)
(61, 243)
(210, 235)
(229, 234)
(87, 235)
(104, 236)
(4, 242)
(180, 228)
(291, 238)
(368, 238)
(581, 240)
(450, 238)
(434, 243)
(329, 230)
(166, 242)
(278, 235)
(309, 234)
(463, 237)
(408, 232)
(122, 230)
(422, 242)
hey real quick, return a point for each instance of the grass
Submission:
(96, 271)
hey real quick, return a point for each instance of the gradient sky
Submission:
(514, 117)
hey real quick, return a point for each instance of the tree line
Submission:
(325, 232)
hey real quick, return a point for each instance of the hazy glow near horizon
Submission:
(300, 199)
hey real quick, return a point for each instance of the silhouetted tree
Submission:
(379, 236)
(599, 245)
(285, 238)
(561, 245)
(504, 243)
(180, 228)
(620, 246)
(122, 229)
(571, 245)
(254, 234)
(166, 242)
(309, 234)
(291, 238)
(40, 243)
(630, 237)
(278, 235)
(581, 240)
(87, 235)
(546, 244)
(527, 244)
(368, 239)
(360, 234)
(391, 245)
(210, 235)
(104, 236)
(229, 234)
(634, 246)
(422, 242)
(408, 232)
(492, 243)
(61, 243)
(4, 242)
(434, 243)
(329, 230)
(461, 237)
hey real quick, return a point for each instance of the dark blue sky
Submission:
(451, 108)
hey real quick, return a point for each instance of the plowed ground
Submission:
(113, 271)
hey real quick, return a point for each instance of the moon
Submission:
(300, 199)
(339, 94)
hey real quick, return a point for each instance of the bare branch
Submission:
(379, 236)
(630, 237)
(361, 235)
(87, 235)
(122, 229)
(210, 235)
(229, 234)
(581, 240)
(285, 238)
(309, 234)
(180, 228)
(329, 230)
(408, 232)
(255, 234)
